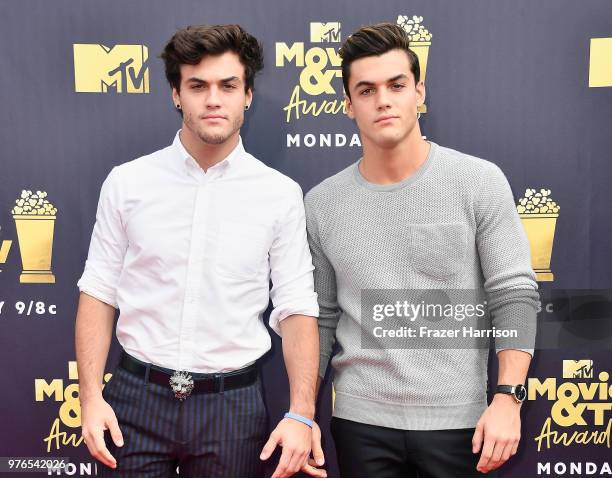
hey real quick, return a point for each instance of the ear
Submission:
(176, 98)
(420, 93)
(349, 107)
(248, 97)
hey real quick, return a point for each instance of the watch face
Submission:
(520, 392)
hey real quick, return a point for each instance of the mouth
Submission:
(213, 117)
(385, 119)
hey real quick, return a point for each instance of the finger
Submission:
(297, 460)
(507, 452)
(317, 452)
(115, 431)
(312, 471)
(496, 458)
(515, 447)
(498, 450)
(101, 452)
(88, 443)
(269, 447)
(477, 438)
(487, 453)
(283, 465)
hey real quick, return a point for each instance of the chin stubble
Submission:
(217, 138)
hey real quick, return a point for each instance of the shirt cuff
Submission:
(99, 291)
(307, 306)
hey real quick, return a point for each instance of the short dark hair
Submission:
(375, 40)
(189, 45)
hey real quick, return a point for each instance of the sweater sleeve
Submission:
(503, 247)
(325, 287)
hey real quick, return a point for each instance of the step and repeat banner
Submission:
(526, 85)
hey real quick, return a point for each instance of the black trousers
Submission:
(368, 451)
(216, 435)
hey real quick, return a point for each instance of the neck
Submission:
(382, 165)
(207, 154)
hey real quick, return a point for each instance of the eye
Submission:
(197, 86)
(229, 86)
(398, 86)
(367, 91)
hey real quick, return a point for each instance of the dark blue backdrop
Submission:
(506, 81)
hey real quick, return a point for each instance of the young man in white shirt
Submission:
(185, 243)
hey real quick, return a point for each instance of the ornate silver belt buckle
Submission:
(182, 384)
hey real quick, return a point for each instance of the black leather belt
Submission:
(186, 383)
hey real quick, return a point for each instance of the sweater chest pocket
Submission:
(438, 250)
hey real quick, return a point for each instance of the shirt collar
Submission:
(189, 162)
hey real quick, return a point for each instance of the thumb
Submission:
(269, 447)
(477, 438)
(115, 432)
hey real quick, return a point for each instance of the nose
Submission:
(383, 99)
(213, 98)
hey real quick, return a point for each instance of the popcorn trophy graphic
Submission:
(35, 222)
(420, 41)
(539, 213)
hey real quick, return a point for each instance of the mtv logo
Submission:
(118, 69)
(577, 369)
(325, 32)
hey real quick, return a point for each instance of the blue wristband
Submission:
(299, 418)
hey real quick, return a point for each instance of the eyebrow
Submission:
(229, 79)
(401, 76)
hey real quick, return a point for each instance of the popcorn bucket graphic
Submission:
(420, 41)
(35, 235)
(539, 213)
(35, 222)
(540, 229)
(421, 49)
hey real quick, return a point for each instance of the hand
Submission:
(295, 438)
(317, 458)
(500, 427)
(97, 416)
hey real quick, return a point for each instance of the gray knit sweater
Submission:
(451, 225)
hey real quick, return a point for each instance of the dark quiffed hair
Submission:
(374, 40)
(189, 45)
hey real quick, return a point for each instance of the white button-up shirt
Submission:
(187, 258)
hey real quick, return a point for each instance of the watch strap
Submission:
(516, 391)
(508, 389)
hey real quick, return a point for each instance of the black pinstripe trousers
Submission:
(208, 435)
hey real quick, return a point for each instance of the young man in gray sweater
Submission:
(413, 215)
